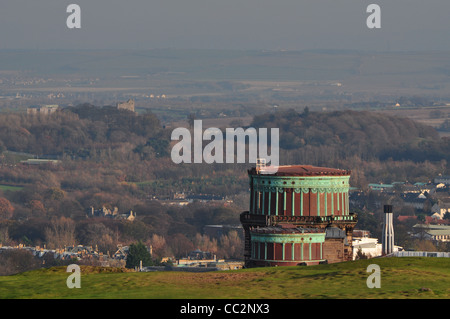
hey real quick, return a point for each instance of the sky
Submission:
(406, 25)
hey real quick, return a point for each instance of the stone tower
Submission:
(129, 105)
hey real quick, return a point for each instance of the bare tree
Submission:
(6, 209)
(231, 245)
(158, 244)
(205, 243)
(17, 260)
(60, 233)
(4, 236)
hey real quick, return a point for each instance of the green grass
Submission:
(422, 278)
(10, 188)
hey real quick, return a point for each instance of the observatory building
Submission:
(298, 215)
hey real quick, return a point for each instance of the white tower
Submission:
(388, 231)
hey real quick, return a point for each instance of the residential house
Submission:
(414, 200)
(444, 179)
(114, 213)
(441, 208)
(440, 233)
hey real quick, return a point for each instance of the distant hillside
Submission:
(76, 131)
(336, 135)
(329, 136)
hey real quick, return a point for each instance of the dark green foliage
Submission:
(137, 253)
(157, 146)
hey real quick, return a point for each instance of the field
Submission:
(10, 188)
(401, 278)
(187, 73)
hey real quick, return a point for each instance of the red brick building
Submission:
(298, 215)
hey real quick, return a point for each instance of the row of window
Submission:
(287, 251)
(290, 203)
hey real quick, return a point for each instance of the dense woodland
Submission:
(376, 147)
(117, 158)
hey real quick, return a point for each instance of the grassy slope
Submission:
(400, 278)
(10, 188)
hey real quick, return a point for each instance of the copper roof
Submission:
(303, 170)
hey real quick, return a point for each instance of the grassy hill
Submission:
(424, 278)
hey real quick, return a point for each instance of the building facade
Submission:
(298, 215)
(45, 109)
(128, 105)
(114, 214)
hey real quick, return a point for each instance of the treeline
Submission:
(348, 133)
(80, 131)
(368, 143)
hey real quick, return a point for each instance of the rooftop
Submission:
(303, 170)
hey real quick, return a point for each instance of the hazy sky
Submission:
(226, 24)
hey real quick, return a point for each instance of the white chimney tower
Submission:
(388, 231)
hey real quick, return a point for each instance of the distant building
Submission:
(381, 187)
(414, 200)
(179, 196)
(440, 186)
(216, 231)
(121, 252)
(105, 212)
(434, 220)
(421, 254)
(439, 233)
(198, 258)
(442, 179)
(44, 110)
(40, 161)
(369, 247)
(228, 265)
(201, 255)
(299, 215)
(366, 246)
(129, 105)
(78, 252)
(440, 209)
(411, 189)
